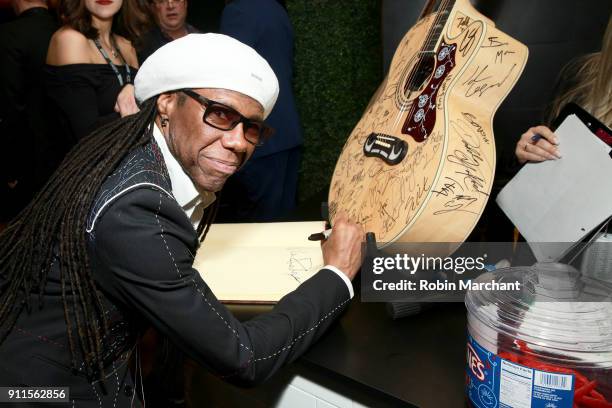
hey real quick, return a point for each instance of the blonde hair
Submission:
(593, 90)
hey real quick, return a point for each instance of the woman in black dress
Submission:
(90, 68)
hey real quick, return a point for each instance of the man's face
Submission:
(170, 15)
(208, 155)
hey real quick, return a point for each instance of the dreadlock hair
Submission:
(57, 217)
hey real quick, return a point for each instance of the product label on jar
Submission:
(493, 382)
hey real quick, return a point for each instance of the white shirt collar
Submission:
(183, 189)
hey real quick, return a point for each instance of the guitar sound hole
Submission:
(420, 73)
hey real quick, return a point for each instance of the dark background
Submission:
(343, 47)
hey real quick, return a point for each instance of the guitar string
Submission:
(411, 76)
(408, 83)
(430, 35)
(428, 38)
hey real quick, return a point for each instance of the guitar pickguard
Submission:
(422, 114)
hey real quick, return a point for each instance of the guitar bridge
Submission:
(390, 149)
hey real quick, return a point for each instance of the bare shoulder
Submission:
(127, 50)
(68, 46)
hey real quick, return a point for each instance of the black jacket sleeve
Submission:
(142, 254)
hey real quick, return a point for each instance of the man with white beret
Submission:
(117, 226)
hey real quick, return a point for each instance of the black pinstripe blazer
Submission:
(141, 248)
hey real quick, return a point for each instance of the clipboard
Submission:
(556, 203)
(595, 126)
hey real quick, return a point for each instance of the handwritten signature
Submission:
(299, 265)
(477, 83)
(448, 187)
(477, 183)
(468, 40)
(499, 55)
(459, 203)
(463, 22)
(468, 178)
(414, 202)
(494, 42)
(472, 120)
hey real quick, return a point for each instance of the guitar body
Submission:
(419, 165)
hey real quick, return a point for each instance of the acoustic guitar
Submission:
(419, 165)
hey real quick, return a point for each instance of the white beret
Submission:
(207, 61)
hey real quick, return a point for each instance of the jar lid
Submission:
(556, 310)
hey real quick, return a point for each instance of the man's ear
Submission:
(166, 102)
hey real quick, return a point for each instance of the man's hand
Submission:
(537, 144)
(126, 103)
(343, 248)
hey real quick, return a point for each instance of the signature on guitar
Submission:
(477, 82)
(439, 98)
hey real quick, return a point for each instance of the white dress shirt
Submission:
(193, 202)
(183, 189)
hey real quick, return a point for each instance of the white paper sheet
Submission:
(561, 201)
(259, 262)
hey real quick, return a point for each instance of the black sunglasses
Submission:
(225, 117)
